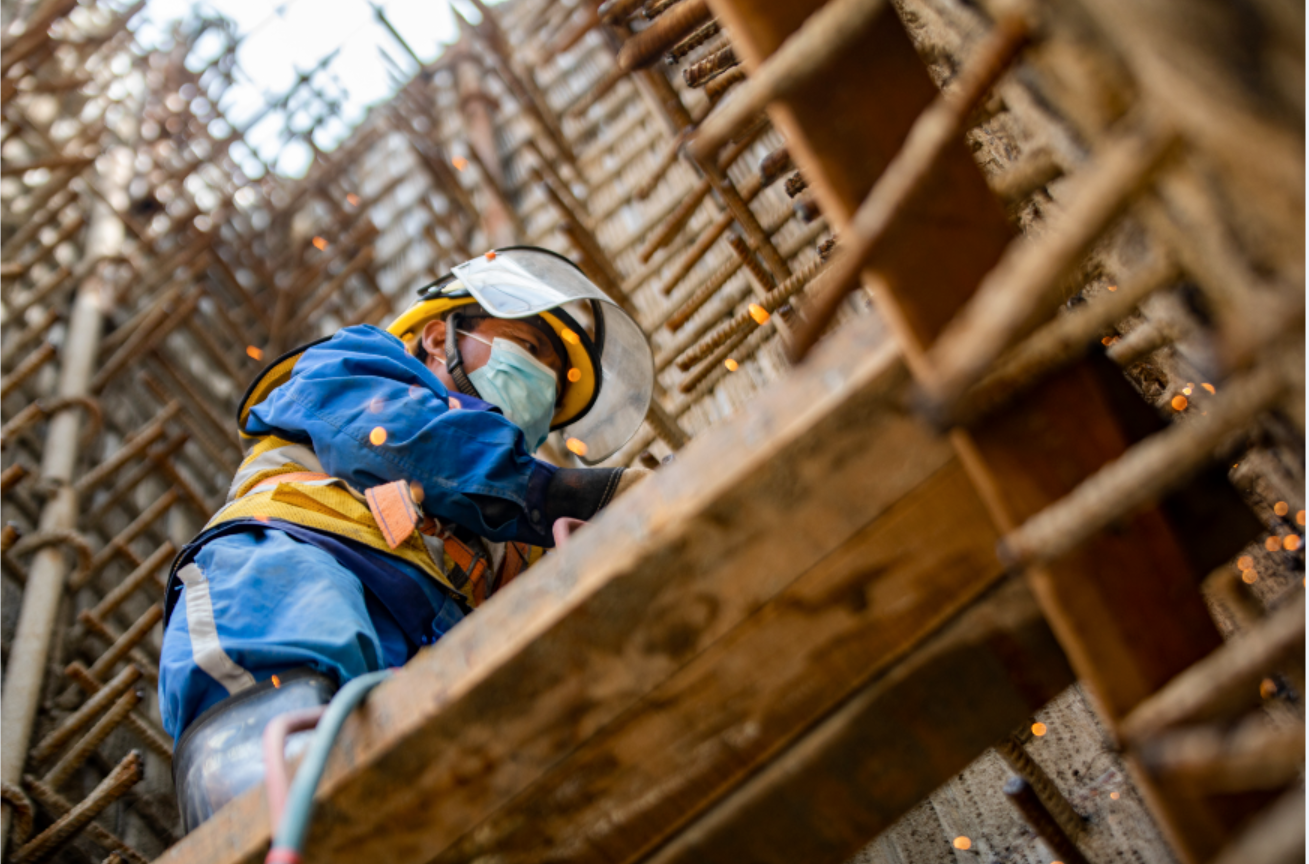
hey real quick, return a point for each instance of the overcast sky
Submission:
(281, 39)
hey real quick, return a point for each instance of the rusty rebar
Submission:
(118, 545)
(65, 537)
(707, 288)
(1147, 470)
(676, 221)
(716, 359)
(1225, 681)
(702, 35)
(1012, 750)
(1033, 810)
(135, 444)
(24, 814)
(129, 640)
(663, 33)
(154, 738)
(75, 722)
(1026, 280)
(1058, 342)
(134, 580)
(702, 294)
(125, 775)
(12, 476)
(30, 365)
(56, 805)
(763, 280)
(745, 320)
(77, 754)
(823, 38)
(717, 88)
(936, 128)
(702, 71)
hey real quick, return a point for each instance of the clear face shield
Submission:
(520, 283)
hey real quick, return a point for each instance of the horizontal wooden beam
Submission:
(702, 732)
(892, 744)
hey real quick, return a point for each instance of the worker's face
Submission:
(476, 353)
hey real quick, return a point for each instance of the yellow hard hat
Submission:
(609, 381)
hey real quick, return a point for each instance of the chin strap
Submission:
(454, 361)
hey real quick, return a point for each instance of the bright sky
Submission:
(282, 39)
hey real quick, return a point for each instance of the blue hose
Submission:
(290, 837)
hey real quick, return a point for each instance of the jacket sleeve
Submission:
(374, 414)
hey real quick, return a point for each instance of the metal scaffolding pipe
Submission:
(45, 584)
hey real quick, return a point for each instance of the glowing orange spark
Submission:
(1113, 287)
(320, 244)
(731, 364)
(253, 353)
(570, 337)
(1209, 387)
(459, 162)
(1281, 508)
(576, 445)
(1113, 795)
(1038, 729)
(1268, 688)
(1273, 543)
(277, 682)
(1249, 577)
(377, 436)
(1291, 542)
(1179, 402)
(1299, 518)
(962, 842)
(352, 199)
(1245, 562)
(574, 375)
(759, 314)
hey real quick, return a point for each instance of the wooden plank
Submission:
(662, 575)
(727, 712)
(890, 745)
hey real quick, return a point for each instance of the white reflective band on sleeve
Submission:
(209, 654)
(275, 458)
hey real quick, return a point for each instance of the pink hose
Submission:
(275, 776)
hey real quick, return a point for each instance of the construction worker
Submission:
(389, 487)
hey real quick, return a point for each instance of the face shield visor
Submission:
(520, 283)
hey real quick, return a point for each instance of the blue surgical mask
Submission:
(518, 384)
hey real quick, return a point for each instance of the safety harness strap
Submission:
(396, 514)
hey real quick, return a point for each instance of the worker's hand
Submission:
(629, 478)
